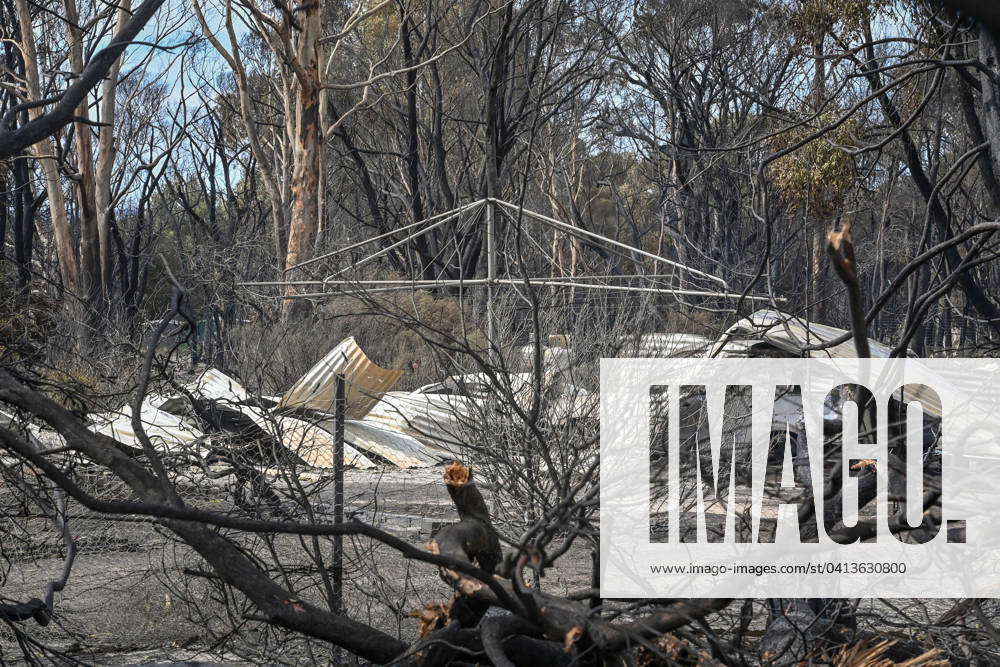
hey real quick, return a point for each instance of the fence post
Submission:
(340, 409)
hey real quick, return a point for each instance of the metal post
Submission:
(340, 405)
(491, 273)
(595, 576)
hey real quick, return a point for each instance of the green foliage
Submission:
(811, 20)
(382, 25)
(817, 175)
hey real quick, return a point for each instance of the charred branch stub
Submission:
(474, 534)
(472, 538)
(840, 245)
(559, 627)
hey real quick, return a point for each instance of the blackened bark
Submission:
(953, 258)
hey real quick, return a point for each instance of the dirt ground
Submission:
(121, 605)
(125, 603)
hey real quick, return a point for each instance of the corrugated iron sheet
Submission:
(793, 335)
(165, 431)
(365, 382)
(396, 447)
(445, 416)
(440, 421)
(217, 386)
(313, 442)
(310, 440)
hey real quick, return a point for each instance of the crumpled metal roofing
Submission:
(166, 431)
(793, 335)
(313, 440)
(398, 448)
(439, 421)
(445, 416)
(310, 440)
(364, 382)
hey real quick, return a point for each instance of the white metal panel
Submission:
(793, 335)
(218, 386)
(395, 446)
(441, 421)
(312, 441)
(165, 431)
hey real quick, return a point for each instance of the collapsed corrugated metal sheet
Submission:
(165, 419)
(217, 386)
(310, 440)
(166, 431)
(792, 334)
(313, 442)
(446, 416)
(440, 421)
(365, 382)
(394, 446)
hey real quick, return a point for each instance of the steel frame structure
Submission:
(489, 207)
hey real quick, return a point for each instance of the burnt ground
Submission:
(128, 603)
(125, 601)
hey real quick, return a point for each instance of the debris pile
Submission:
(405, 429)
(436, 422)
(299, 425)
